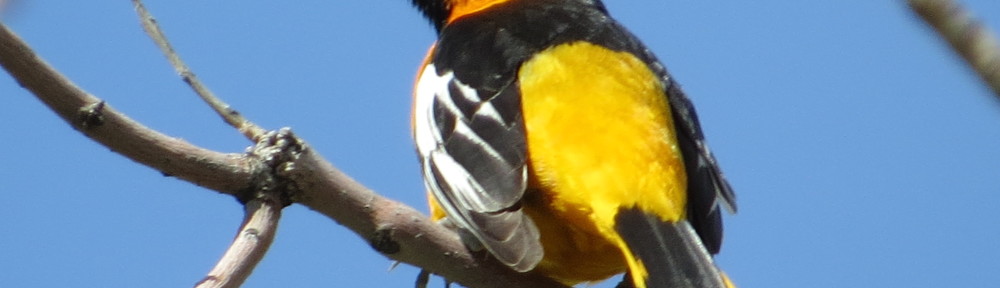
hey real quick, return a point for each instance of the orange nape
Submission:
(461, 8)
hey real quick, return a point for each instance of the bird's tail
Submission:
(665, 254)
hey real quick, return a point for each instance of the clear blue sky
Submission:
(863, 153)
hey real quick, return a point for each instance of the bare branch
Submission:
(398, 231)
(228, 114)
(262, 213)
(394, 229)
(966, 35)
(104, 124)
(254, 238)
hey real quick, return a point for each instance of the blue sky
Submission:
(863, 153)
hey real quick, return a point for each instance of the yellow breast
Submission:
(600, 137)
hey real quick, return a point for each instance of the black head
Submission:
(435, 10)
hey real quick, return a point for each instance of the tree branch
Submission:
(254, 238)
(102, 123)
(397, 230)
(263, 211)
(966, 35)
(228, 114)
(394, 229)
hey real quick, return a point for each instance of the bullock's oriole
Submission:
(551, 137)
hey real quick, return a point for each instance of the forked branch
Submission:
(263, 206)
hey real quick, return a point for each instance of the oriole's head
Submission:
(440, 12)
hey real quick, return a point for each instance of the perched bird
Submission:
(551, 137)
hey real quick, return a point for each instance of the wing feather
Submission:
(472, 150)
(707, 187)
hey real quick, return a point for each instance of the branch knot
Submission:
(91, 115)
(276, 152)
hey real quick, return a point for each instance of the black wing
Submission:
(473, 153)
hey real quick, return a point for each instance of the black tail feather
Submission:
(671, 252)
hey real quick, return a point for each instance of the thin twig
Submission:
(228, 114)
(251, 243)
(967, 36)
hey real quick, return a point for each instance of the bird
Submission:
(549, 136)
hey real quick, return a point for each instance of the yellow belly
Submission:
(600, 138)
